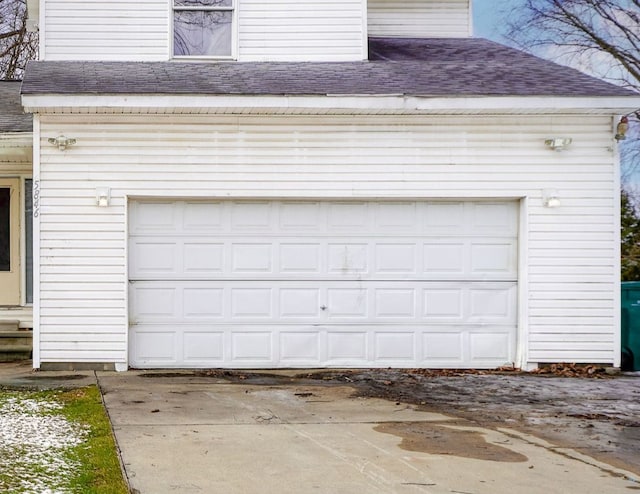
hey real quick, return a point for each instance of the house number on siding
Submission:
(36, 198)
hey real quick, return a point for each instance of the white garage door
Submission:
(298, 284)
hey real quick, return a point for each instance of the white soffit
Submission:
(339, 104)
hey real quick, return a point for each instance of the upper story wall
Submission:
(420, 18)
(263, 30)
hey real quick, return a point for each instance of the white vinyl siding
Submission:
(569, 252)
(419, 18)
(114, 30)
(301, 30)
(292, 30)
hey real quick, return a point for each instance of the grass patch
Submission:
(57, 442)
(99, 468)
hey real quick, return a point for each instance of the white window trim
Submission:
(194, 58)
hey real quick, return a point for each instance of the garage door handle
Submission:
(323, 307)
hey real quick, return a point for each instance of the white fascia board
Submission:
(362, 104)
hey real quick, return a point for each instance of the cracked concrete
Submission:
(190, 433)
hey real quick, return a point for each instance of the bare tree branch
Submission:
(17, 46)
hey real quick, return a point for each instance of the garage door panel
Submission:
(491, 218)
(302, 259)
(156, 258)
(152, 216)
(492, 304)
(237, 345)
(489, 346)
(314, 258)
(443, 303)
(203, 217)
(443, 347)
(494, 257)
(254, 346)
(397, 217)
(301, 217)
(264, 283)
(205, 258)
(394, 346)
(251, 302)
(252, 258)
(348, 259)
(200, 346)
(300, 347)
(296, 302)
(396, 258)
(203, 303)
(395, 303)
(323, 301)
(348, 347)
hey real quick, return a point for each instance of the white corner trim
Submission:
(36, 244)
(617, 247)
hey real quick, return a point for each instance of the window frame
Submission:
(173, 8)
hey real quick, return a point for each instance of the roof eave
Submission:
(358, 104)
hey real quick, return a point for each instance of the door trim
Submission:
(11, 281)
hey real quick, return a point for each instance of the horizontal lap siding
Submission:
(301, 30)
(15, 168)
(419, 18)
(571, 249)
(116, 30)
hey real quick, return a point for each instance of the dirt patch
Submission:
(432, 438)
(44, 377)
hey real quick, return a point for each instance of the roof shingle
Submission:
(12, 117)
(413, 67)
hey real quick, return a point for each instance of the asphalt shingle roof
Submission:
(414, 67)
(12, 117)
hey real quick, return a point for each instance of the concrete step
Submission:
(14, 354)
(9, 325)
(15, 345)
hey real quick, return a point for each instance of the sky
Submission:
(487, 16)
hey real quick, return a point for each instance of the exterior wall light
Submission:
(551, 198)
(103, 196)
(621, 129)
(61, 142)
(558, 143)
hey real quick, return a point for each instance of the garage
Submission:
(269, 283)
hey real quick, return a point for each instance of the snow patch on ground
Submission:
(33, 443)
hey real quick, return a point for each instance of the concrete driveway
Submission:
(183, 433)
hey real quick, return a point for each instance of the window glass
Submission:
(28, 221)
(5, 229)
(203, 28)
(203, 3)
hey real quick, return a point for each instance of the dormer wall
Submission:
(251, 30)
(419, 18)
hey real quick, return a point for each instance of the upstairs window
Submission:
(203, 28)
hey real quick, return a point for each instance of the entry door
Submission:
(9, 241)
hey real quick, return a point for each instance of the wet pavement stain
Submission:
(432, 438)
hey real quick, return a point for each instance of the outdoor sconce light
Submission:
(551, 198)
(61, 142)
(103, 196)
(558, 143)
(621, 129)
